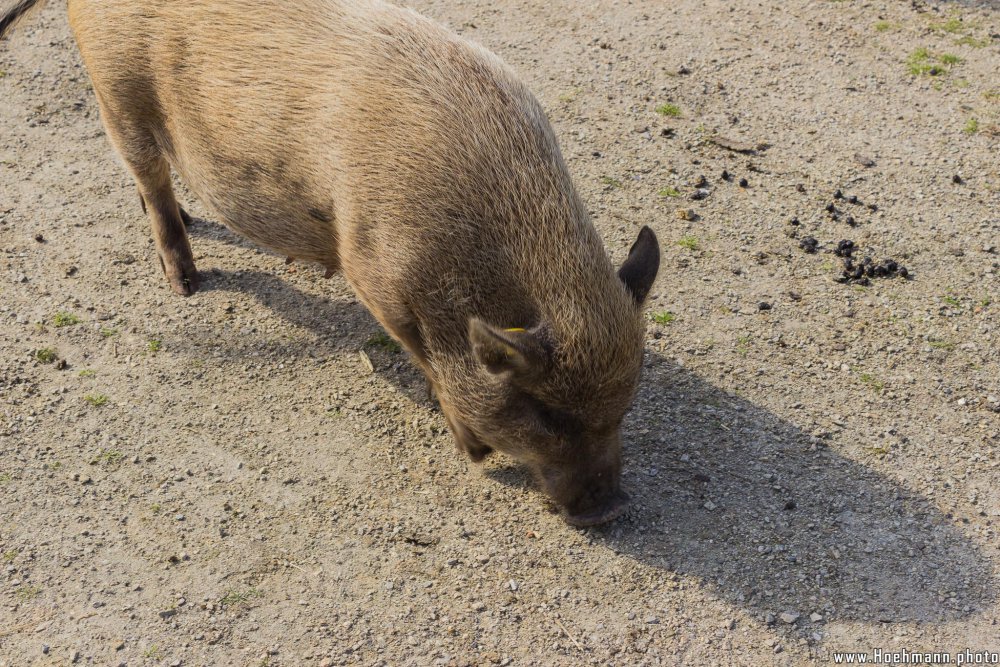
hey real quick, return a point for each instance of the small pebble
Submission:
(957, 179)
(726, 176)
(39, 238)
(744, 183)
(763, 305)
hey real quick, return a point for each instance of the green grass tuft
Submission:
(384, 341)
(154, 346)
(97, 400)
(951, 26)
(971, 126)
(666, 317)
(669, 192)
(45, 355)
(108, 456)
(969, 40)
(668, 109)
(64, 319)
(689, 242)
(234, 598)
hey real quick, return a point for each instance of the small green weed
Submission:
(611, 182)
(64, 319)
(156, 508)
(952, 26)
(97, 400)
(951, 300)
(665, 317)
(870, 380)
(9, 556)
(109, 456)
(878, 450)
(45, 355)
(5, 477)
(883, 26)
(87, 373)
(669, 192)
(941, 344)
(971, 126)
(235, 598)
(969, 40)
(689, 242)
(108, 332)
(154, 652)
(923, 63)
(27, 593)
(154, 346)
(743, 345)
(668, 109)
(384, 341)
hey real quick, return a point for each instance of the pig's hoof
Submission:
(182, 276)
(187, 285)
(477, 452)
(602, 514)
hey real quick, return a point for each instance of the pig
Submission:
(368, 139)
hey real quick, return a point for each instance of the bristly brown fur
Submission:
(369, 139)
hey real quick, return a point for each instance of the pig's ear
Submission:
(639, 270)
(516, 350)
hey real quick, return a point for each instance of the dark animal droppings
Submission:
(744, 183)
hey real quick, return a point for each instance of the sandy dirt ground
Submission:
(254, 475)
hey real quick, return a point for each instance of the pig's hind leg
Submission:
(186, 217)
(132, 134)
(168, 221)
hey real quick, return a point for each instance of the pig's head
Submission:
(553, 395)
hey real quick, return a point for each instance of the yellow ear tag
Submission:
(508, 350)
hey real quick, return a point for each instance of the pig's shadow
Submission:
(729, 492)
(325, 308)
(774, 521)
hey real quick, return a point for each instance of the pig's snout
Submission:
(588, 499)
(605, 510)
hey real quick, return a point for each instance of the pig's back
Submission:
(356, 131)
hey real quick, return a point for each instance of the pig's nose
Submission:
(610, 509)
